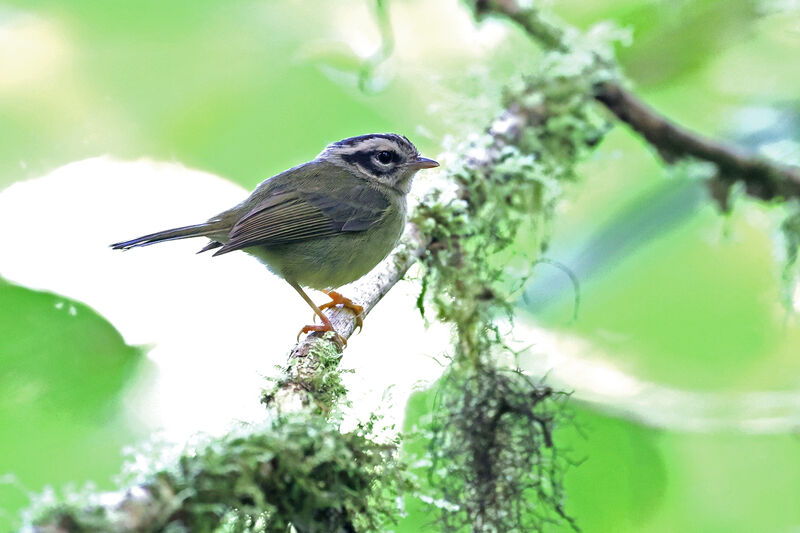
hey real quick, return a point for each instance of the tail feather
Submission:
(185, 232)
(210, 246)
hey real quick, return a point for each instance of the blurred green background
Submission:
(672, 291)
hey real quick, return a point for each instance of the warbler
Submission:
(321, 224)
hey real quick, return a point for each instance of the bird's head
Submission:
(385, 158)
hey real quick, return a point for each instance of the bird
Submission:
(321, 224)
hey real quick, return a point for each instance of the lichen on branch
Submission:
(494, 462)
(300, 470)
(314, 379)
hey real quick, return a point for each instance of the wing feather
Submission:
(294, 215)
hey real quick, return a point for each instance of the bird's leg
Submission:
(338, 299)
(326, 324)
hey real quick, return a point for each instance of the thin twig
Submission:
(762, 177)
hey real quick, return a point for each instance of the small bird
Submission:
(321, 224)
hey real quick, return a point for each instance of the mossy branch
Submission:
(762, 178)
(297, 469)
(310, 377)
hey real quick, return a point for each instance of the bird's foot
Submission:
(327, 326)
(338, 299)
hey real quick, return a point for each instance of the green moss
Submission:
(316, 375)
(298, 470)
(493, 459)
(505, 202)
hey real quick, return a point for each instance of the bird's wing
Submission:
(295, 215)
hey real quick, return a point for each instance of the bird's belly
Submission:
(330, 262)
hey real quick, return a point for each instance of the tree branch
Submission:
(295, 390)
(762, 177)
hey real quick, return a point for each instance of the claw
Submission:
(326, 323)
(338, 299)
(322, 328)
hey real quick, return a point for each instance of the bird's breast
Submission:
(335, 260)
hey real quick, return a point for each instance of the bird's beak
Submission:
(422, 162)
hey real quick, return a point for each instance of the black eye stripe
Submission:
(364, 159)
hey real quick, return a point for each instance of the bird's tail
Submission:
(186, 232)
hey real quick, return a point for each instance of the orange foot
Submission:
(326, 326)
(338, 299)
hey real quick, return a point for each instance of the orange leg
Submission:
(338, 299)
(326, 324)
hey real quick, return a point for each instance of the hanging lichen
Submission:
(494, 464)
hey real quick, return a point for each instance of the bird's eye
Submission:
(384, 158)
